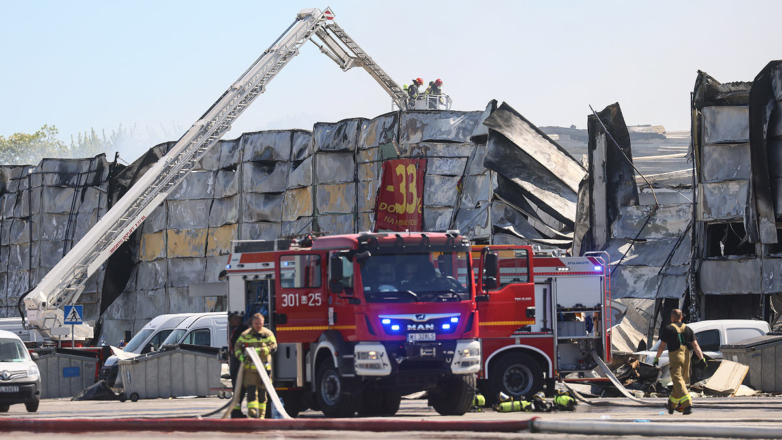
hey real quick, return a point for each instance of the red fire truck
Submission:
(540, 319)
(363, 319)
(366, 318)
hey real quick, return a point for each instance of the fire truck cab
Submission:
(541, 318)
(363, 319)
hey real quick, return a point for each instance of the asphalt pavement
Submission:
(748, 412)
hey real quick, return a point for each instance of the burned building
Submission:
(491, 174)
(737, 150)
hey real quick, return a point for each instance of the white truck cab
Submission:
(149, 338)
(713, 334)
(205, 329)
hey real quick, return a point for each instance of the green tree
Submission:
(29, 149)
(89, 144)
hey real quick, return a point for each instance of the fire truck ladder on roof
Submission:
(66, 281)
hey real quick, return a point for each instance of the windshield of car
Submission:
(12, 350)
(137, 340)
(174, 337)
(416, 277)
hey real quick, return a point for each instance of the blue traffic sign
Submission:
(73, 315)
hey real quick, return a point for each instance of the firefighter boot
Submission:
(262, 410)
(253, 407)
(237, 413)
(687, 410)
(669, 405)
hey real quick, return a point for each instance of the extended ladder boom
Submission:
(345, 60)
(66, 281)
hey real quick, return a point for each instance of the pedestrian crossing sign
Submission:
(73, 315)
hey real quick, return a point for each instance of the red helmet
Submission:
(420, 81)
(438, 82)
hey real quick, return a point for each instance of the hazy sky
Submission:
(159, 65)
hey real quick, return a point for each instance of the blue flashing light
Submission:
(394, 327)
(454, 319)
(599, 268)
(446, 326)
(386, 321)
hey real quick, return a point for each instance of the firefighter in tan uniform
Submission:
(679, 338)
(265, 344)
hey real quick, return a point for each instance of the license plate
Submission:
(413, 337)
(9, 389)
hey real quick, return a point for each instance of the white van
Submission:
(20, 380)
(713, 334)
(205, 329)
(149, 338)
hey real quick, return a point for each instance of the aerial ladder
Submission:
(64, 284)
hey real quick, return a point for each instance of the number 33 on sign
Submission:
(301, 299)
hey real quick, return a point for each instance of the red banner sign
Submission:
(400, 198)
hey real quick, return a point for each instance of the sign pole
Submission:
(73, 336)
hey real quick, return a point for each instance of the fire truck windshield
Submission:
(416, 277)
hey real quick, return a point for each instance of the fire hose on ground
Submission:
(266, 382)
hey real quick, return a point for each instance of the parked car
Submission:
(205, 329)
(148, 339)
(20, 379)
(713, 334)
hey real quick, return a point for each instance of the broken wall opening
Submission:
(727, 239)
(747, 305)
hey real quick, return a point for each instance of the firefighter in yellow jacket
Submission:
(679, 339)
(265, 344)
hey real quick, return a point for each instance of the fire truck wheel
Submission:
(517, 375)
(337, 396)
(456, 397)
(374, 403)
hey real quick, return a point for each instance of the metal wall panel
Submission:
(188, 214)
(725, 124)
(218, 240)
(725, 162)
(723, 200)
(197, 185)
(224, 211)
(262, 208)
(301, 145)
(669, 221)
(437, 219)
(339, 136)
(734, 276)
(378, 131)
(271, 145)
(337, 224)
(183, 271)
(226, 184)
(297, 203)
(186, 242)
(301, 174)
(153, 246)
(437, 126)
(334, 167)
(440, 190)
(336, 199)
(261, 231)
(266, 177)
(536, 145)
